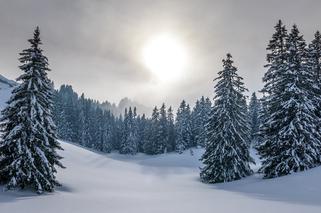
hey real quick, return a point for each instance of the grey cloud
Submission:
(95, 45)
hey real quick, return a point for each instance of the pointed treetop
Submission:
(229, 56)
(295, 29)
(35, 41)
(227, 63)
(280, 23)
(163, 106)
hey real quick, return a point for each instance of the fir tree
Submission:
(314, 66)
(314, 57)
(142, 131)
(171, 130)
(291, 140)
(254, 108)
(29, 144)
(129, 143)
(200, 116)
(183, 128)
(153, 135)
(163, 131)
(226, 156)
(276, 58)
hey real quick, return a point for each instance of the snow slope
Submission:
(116, 183)
(6, 87)
(168, 183)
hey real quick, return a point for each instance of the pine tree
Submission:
(68, 120)
(196, 120)
(314, 66)
(254, 108)
(107, 129)
(163, 131)
(129, 143)
(153, 135)
(291, 140)
(171, 130)
(276, 58)
(314, 57)
(200, 116)
(83, 121)
(183, 128)
(226, 156)
(29, 145)
(142, 132)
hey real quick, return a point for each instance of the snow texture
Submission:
(164, 183)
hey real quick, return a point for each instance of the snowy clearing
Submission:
(116, 183)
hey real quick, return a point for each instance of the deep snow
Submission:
(116, 183)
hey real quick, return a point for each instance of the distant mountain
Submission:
(126, 103)
(6, 87)
(4, 82)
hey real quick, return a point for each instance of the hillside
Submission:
(6, 86)
(116, 183)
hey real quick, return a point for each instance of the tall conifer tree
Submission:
(28, 151)
(254, 110)
(291, 140)
(226, 156)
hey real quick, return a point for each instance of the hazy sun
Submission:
(165, 56)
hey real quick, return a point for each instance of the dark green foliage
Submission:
(226, 156)
(28, 151)
(291, 142)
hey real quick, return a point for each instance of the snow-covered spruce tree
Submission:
(196, 120)
(206, 109)
(29, 144)
(107, 129)
(291, 140)
(314, 57)
(83, 121)
(276, 59)
(66, 105)
(171, 130)
(183, 128)
(163, 131)
(226, 156)
(200, 117)
(314, 66)
(153, 134)
(129, 144)
(142, 124)
(254, 108)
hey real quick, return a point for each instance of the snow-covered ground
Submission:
(116, 183)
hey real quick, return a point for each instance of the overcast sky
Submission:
(96, 45)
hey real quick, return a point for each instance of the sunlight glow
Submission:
(165, 57)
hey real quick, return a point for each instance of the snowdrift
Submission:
(95, 182)
(100, 183)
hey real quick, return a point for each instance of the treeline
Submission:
(285, 123)
(86, 122)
